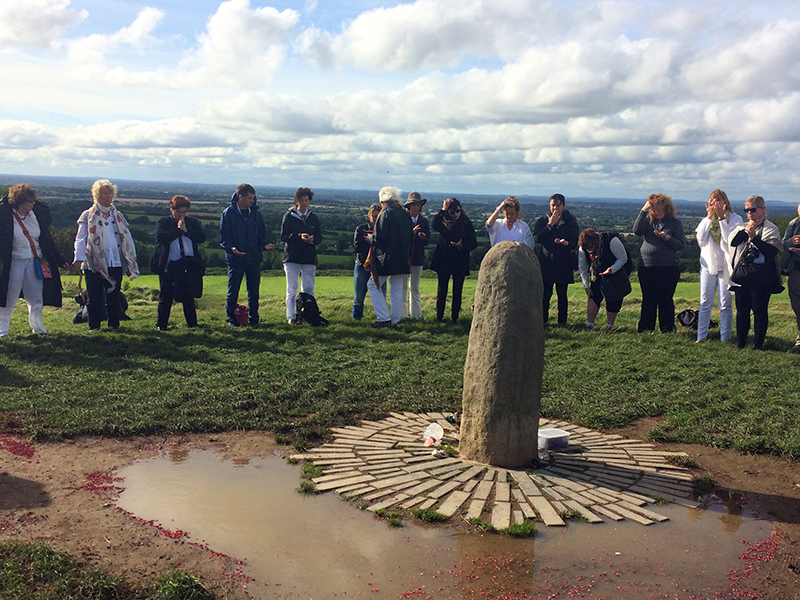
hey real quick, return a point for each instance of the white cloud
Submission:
(431, 33)
(90, 52)
(24, 135)
(36, 23)
(241, 47)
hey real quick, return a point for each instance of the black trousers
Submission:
(97, 289)
(165, 299)
(561, 293)
(441, 295)
(658, 288)
(756, 299)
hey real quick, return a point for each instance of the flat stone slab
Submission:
(599, 476)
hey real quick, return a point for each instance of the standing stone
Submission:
(503, 373)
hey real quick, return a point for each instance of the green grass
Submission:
(298, 381)
(37, 572)
(428, 515)
(521, 530)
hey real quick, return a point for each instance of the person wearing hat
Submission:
(422, 233)
(390, 257)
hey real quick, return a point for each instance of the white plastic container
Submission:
(552, 439)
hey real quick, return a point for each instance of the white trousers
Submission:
(382, 313)
(293, 272)
(709, 284)
(411, 295)
(22, 278)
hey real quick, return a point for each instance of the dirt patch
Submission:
(62, 493)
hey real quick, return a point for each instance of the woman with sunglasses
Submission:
(758, 242)
(451, 257)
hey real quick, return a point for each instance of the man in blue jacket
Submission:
(243, 237)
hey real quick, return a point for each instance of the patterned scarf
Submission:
(98, 238)
(716, 234)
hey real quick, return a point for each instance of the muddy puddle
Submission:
(299, 546)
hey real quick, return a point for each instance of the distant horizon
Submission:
(469, 197)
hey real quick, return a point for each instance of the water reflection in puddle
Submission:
(322, 547)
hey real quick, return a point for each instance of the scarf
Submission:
(716, 234)
(98, 239)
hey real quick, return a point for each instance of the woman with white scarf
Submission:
(713, 234)
(759, 243)
(105, 251)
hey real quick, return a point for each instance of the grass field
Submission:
(297, 381)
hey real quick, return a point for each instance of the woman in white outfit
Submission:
(713, 234)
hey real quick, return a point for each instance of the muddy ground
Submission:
(62, 493)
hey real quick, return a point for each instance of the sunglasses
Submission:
(751, 210)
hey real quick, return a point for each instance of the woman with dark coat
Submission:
(451, 257)
(177, 236)
(557, 234)
(301, 233)
(24, 238)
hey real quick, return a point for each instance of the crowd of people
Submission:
(738, 259)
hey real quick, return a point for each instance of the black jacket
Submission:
(167, 231)
(420, 240)
(360, 242)
(392, 239)
(295, 249)
(449, 259)
(51, 291)
(558, 262)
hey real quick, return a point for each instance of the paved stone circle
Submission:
(598, 477)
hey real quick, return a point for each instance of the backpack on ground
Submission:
(308, 311)
(689, 319)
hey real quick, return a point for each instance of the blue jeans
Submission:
(360, 278)
(252, 273)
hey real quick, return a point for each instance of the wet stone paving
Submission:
(598, 477)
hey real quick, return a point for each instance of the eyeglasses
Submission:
(454, 211)
(751, 210)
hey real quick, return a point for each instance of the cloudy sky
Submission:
(585, 97)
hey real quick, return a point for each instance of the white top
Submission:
(519, 232)
(175, 248)
(113, 258)
(716, 257)
(617, 249)
(21, 248)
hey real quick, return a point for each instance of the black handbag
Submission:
(615, 286)
(186, 275)
(747, 271)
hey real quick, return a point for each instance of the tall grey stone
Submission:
(503, 373)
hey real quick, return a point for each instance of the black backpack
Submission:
(308, 311)
(688, 319)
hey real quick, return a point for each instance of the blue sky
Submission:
(584, 97)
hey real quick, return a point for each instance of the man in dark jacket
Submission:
(392, 240)
(791, 244)
(243, 237)
(557, 234)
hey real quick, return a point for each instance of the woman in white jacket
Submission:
(713, 234)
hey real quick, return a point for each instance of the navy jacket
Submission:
(247, 235)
